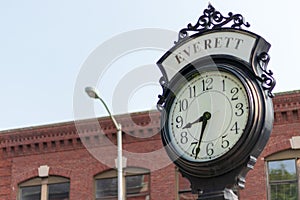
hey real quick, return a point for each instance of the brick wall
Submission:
(5, 178)
(75, 152)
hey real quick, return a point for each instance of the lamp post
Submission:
(93, 93)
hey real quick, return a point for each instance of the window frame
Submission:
(290, 154)
(129, 171)
(41, 181)
(282, 182)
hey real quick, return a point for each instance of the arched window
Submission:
(137, 183)
(49, 188)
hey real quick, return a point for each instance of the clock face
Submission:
(208, 115)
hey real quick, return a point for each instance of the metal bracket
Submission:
(266, 78)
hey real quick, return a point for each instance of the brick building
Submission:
(76, 160)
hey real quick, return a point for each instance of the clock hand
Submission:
(189, 125)
(206, 116)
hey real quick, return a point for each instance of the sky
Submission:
(44, 45)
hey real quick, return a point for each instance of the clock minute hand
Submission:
(206, 116)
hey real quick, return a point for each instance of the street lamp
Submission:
(93, 93)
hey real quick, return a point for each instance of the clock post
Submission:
(216, 106)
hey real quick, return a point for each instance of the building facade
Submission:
(76, 160)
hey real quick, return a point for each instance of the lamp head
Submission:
(92, 92)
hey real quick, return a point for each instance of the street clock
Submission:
(216, 107)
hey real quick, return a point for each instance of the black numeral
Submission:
(240, 110)
(209, 149)
(234, 91)
(235, 128)
(224, 85)
(207, 84)
(179, 121)
(194, 148)
(225, 143)
(192, 90)
(184, 139)
(183, 105)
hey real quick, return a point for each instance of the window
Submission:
(283, 179)
(58, 191)
(283, 176)
(50, 188)
(30, 192)
(137, 181)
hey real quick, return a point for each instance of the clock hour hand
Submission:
(200, 119)
(189, 125)
(206, 116)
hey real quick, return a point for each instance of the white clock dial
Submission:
(208, 115)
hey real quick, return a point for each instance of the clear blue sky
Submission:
(43, 45)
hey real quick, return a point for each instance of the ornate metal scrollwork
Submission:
(267, 79)
(162, 99)
(212, 19)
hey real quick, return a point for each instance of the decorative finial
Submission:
(212, 19)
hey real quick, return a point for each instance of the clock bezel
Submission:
(242, 148)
